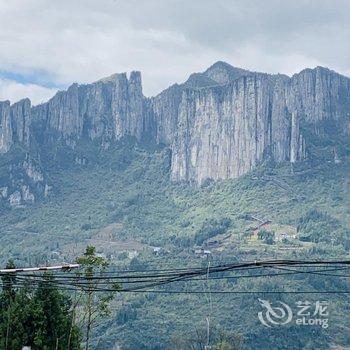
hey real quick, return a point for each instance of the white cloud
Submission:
(83, 40)
(13, 91)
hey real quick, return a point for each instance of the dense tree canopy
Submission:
(39, 316)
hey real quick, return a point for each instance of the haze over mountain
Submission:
(219, 124)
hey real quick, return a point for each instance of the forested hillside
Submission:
(123, 203)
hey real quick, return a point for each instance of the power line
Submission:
(241, 292)
(152, 279)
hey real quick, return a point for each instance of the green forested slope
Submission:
(126, 197)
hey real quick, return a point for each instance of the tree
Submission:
(8, 282)
(37, 315)
(229, 341)
(267, 237)
(55, 318)
(95, 305)
(211, 228)
(197, 340)
(16, 323)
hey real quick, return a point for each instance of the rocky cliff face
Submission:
(226, 130)
(6, 137)
(108, 109)
(323, 98)
(219, 124)
(14, 124)
(22, 178)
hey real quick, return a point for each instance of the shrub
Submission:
(267, 237)
(211, 228)
(86, 227)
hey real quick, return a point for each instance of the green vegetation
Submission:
(211, 228)
(37, 316)
(316, 226)
(124, 198)
(267, 237)
(96, 306)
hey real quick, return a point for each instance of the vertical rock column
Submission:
(127, 106)
(296, 140)
(21, 118)
(64, 119)
(6, 138)
(136, 124)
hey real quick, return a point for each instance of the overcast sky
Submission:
(46, 45)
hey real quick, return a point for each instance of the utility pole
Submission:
(208, 318)
(41, 268)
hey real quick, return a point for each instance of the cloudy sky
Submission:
(48, 44)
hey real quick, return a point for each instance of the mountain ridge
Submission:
(217, 63)
(219, 124)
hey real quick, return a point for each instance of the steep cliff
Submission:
(323, 98)
(108, 109)
(14, 124)
(219, 124)
(6, 137)
(225, 131)
(22, 179)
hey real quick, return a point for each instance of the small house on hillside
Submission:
(213, 243)
(157, 250)
(285, 235)
(202, 252)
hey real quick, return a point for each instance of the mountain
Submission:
(219, 124)
(220, 73)
(123, 202)
(100, 164)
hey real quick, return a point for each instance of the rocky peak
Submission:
(219, 124)
(14, 124)
(21, 119)
(6, 138)
(220, 73)
(199, 80)
(323, 97)
(223, 73)
(109, 109)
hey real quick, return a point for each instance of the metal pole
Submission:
(41, 268)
